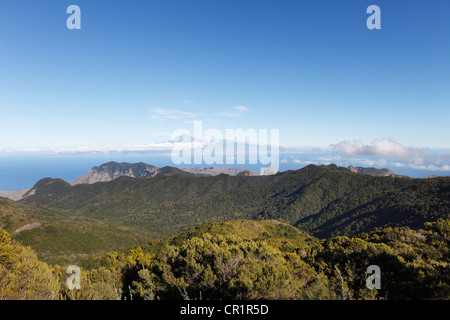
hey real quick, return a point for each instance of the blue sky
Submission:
(138, 70)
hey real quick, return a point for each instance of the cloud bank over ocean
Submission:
(381, 153)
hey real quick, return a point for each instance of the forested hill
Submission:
(322, 200)
(245, 259)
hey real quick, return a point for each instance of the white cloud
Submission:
(370, 162)
(388, 153)
(297, 161)
(399, 164)
(233, 114)
(162, 113)
(299, 150)
(430, 167)
(384, 148)
(242, 108)
(189, 102)
(440, 157)
(159, 146)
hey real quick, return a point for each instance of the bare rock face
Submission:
(29, 226)
(246, 173)
(112, 170)
(14, 195)
(269, 172)
(375, 172)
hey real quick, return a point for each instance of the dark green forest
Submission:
(325, 201)
(303, 234)
(245, 259)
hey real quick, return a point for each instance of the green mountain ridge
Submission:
(324, 201)
(113, 170)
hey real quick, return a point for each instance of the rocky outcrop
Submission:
(14, 195)
(246, 173)
(112, 170)
(29, 226)
(375, 172)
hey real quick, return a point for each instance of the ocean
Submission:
(23, 171)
